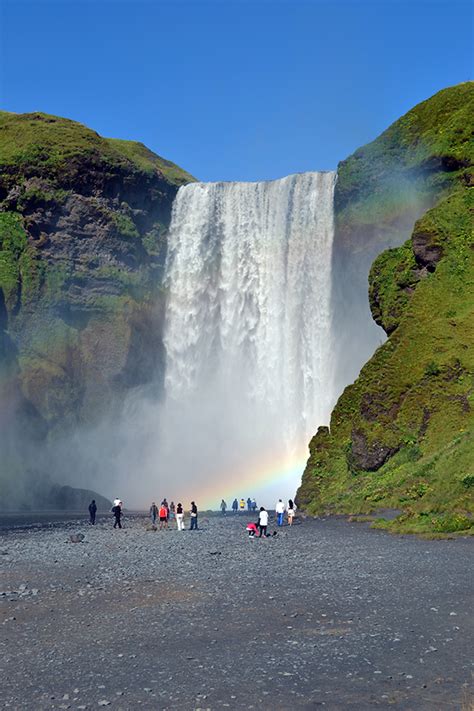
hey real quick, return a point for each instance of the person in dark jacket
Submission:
(92, 512)
(117, 512)
(153, 512)
(194, 517)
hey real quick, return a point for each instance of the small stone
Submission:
(103, 702)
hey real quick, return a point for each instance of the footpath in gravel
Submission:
(326, 614)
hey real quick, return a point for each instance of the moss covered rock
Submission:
(402, 435)
(381, 191)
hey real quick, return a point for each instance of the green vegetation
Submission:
(150, 162)
(402, 436)
(53, 144)
(83, 223)
(423, 153)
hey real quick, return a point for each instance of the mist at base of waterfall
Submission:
(247, 333)
(249, 349)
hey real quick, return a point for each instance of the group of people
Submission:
(166, 512)
(116, 510)
(280, 509)
(239, 505)
(260, 527)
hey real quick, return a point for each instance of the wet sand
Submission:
(327, 614)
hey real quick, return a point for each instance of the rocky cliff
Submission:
(381, 190)
(402, 435)
(83, 223)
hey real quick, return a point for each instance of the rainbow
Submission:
(282, 474)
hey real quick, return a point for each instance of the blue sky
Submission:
(233, 89)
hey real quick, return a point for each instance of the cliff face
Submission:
(402, 435)
(381, 190)
(83, 223)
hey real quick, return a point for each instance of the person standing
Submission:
(280, 510)
(254, 505)
(179, 517)
(249, 504)
(194, 517)
(153, 512)
(291, 511)
(163, 515)
(242, 505)
(92, 512)
(172, 510)
(117, 512)
(263, 522)
(235, 505)
(166, 505)
(223, 507)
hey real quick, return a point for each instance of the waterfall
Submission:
(247, 331)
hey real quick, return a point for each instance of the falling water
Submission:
(247, 331)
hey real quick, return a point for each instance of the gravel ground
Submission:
(326, 614)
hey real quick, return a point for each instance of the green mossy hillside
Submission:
(420, 155)
(83, 235)
(402, 436)
(53, 145)
(381, 191)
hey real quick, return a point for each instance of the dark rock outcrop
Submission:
(368, 456)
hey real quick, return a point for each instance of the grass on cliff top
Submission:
(418, 156)
(139, 154)
(44, 140)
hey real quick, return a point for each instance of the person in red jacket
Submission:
(163, 516)
(252, 529)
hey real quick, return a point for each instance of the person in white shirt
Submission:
(280, 510)
(263, 521)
